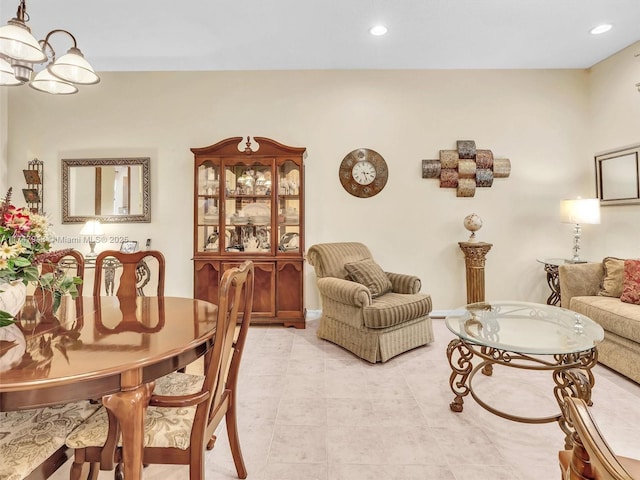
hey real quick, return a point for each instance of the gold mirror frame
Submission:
(144, 217)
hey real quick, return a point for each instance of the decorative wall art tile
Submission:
(501, 168)
(484, 177)
(466, 168)
(467, 149)
(448, 178)
(449, 158)
(466, 187)
(484, 158)
(431, 168)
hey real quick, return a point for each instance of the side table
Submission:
(553, 279)
(474, 259)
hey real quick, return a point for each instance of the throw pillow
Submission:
(611, 285)
(370, 274)
(631, 285)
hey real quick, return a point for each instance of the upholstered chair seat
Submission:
(372, 313)
(28, 438)
(164, 427)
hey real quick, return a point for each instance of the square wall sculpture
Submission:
(466, 168)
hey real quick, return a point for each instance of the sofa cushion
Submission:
(395, 308)
(611, 285)
(370, 274)
(614, 316)
(631, 285)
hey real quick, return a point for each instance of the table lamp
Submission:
(579, 211)
(92, 229)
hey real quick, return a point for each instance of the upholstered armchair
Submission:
(374, 314)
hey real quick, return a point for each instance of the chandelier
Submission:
(20, 51)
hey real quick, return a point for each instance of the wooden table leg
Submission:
(129, 407)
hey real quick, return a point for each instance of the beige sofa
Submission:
(583, 289)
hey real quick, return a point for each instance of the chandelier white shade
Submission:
(73, 67)
(20, 51)
(45, 82)
(17, 42)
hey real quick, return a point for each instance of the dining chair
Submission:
(134, 271)
(63, 261)
(591, 456)
(32, 442)
(185, 409)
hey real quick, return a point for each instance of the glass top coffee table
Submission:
(528, 336)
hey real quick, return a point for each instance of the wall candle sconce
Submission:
(578, 211)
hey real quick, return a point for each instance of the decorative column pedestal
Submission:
(474, 259)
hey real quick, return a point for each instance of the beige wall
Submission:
(540, 119)
(614, 110)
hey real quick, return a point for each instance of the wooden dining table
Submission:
(106, 348)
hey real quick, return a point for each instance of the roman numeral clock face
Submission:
(363, 173)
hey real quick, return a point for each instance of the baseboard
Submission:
(313, 314)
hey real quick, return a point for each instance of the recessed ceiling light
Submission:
(605, 27)
(378, 30)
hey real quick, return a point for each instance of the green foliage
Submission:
(59, 285)
(5, 319)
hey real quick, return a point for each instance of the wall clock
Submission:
(363, 173)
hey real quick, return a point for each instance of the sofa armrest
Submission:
(344, 291)
(579, 279)
(402, 283)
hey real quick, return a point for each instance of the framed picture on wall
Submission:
(129, 247)
(618, 176)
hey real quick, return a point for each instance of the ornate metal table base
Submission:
(553, 280)
(571, 374)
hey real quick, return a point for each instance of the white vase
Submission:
(12, 296)
(12, 355)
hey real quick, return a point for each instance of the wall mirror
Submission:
(618, 176)
(112, 190)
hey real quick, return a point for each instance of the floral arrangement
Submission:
(25, 243)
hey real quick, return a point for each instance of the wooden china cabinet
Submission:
(249, 205)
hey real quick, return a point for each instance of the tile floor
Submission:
(309, 410)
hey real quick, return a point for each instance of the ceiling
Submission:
(150, 35)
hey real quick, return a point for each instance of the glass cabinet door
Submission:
(248, 190)
(208, 207)
(288, 207)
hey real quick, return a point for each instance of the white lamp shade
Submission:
(45, 82)
(7, 77)
(17, 42)
(72, 67)
(92, 228)
(580, 210)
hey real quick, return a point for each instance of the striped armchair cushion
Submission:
(163, 427)
(395, 308)
(29, 437)
(370, 274)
